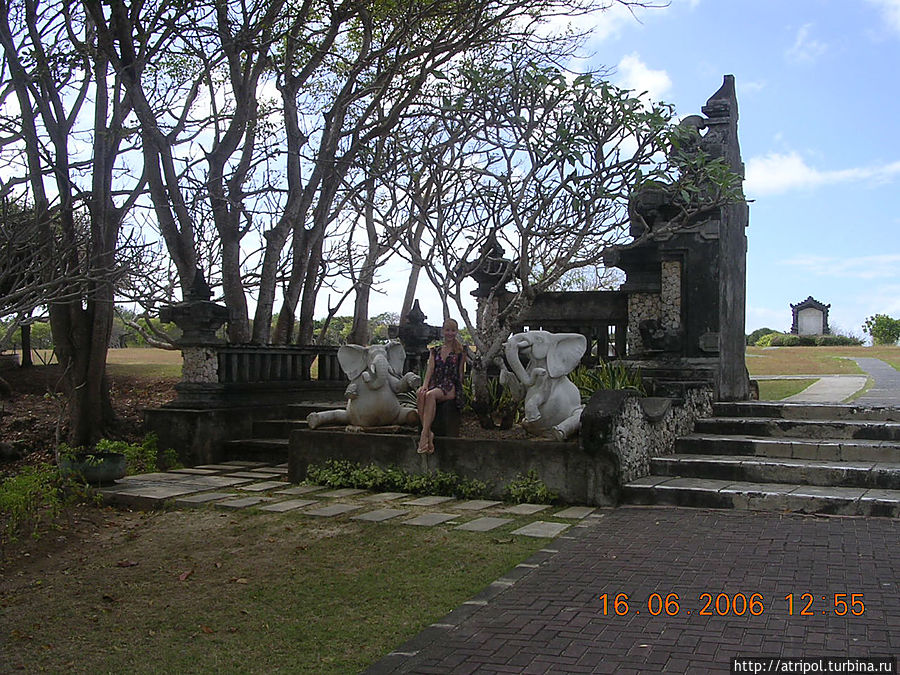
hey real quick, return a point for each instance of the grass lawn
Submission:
(203, 591)
(815, 360)
(776, 390)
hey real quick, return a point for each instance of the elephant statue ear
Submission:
(353, 360)
(396, 355)
(565, 354)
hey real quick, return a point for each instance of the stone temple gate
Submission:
(682, 305)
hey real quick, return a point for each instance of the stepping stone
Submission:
(575, 512)
(282, 466)
(379, 515)
(265, 473)
(155, 492)
(246, 464)
(202, 498)
(300, 490)
(264, 485)
(540, 528)
(345, 492)
(429, 519)
(196, 470)
(476, 504)
(242, 503)
(207, 482)
(484, 524)
(526, 509)
(216, 467)
(289, 505)
(385, 496)
(332, 510)
(428, 501)
(242, 474)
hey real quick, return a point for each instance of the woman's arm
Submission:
(429, 370)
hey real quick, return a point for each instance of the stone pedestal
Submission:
(447, 419)
(198, 320)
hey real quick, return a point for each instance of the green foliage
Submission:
(529, 489)
(753, 338)
(143, 457)
(343, 473)
(791, 340)
(608, 375)
(31, 497)
(883, 329)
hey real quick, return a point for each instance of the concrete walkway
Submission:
(886, 388)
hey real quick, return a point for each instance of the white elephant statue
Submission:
(552, 402)
(372, 392)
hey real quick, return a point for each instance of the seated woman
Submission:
(443, 381)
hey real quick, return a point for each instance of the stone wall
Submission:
(627, 430)
(641, 306)
(670, 294)
(200, 364)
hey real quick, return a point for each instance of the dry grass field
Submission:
(815, 360)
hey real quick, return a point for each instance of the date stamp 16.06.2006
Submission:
(734, 604)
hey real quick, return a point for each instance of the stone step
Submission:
(727, 494)
(273, 450)
(299, 411)
(277, 428)
(831, 450)
(883, 475)
(801, 428)
(805, 411)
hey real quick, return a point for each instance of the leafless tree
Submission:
(73, 112)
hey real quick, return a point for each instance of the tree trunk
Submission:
(27, 361)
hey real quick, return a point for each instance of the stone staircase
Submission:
(807, 458)
(269, 442)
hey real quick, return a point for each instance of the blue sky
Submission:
(817, 86)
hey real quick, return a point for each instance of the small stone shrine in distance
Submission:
(810, 318)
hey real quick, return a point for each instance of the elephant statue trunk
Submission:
(552, 402)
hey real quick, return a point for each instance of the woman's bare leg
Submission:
(429, 407)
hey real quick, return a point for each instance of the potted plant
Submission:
(95, 467)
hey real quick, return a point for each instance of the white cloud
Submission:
(635, 74)
(869, 267)
(890, 10)
(806, 49)
(777, 173)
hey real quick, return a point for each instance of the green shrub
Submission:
(338, 473)
(837, 341)
(766, 340)
(530, 489)
(791, 340)
(143, 457)
(31, 497)
(883, 329)
(754, 337)
(608, 375)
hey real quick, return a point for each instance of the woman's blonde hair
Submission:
(457, 346)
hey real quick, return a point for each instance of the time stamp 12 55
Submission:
(733, 604)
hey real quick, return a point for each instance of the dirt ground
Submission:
(33, 417)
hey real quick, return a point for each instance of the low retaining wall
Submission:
(621, 431)
(565, 469)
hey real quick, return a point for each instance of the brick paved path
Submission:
(551, 619)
